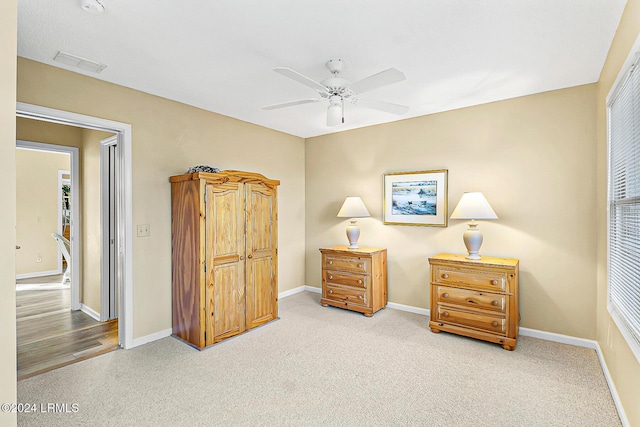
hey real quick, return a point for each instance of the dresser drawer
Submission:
(486, 322)
(344, 263)
(496, 281)
(350, 295)
(471, 298)
(345, 279)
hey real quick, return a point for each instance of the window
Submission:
(623, 134)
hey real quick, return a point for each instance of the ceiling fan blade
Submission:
(288, 72)
(387, 107)
(289, 104)
(383, 78)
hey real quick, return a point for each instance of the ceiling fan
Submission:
(337, 90)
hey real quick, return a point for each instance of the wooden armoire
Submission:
(224, 253)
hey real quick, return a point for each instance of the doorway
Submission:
(52, 332)
(123, 244)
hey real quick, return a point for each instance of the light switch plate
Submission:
(144, 230)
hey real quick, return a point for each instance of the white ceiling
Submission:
(219, 55)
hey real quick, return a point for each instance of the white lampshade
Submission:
(473, 205)
(353, 208)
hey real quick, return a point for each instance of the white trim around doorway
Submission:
(125, 227)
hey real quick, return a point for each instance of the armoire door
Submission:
(262, 246)
(225, 265)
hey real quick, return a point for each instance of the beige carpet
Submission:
(326, 366)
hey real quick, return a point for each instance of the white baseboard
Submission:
(562, 339)
(90, 312)
(149, 338)
(612, 388)
(409, 308)
(38, 274)
(297, 290)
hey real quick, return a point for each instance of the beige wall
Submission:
(168, 137)
(623, 366)
(8, 43)
(37, 209)
(534, 159)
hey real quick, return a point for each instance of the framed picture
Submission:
(416, 198)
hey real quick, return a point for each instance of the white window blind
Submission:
(624, 206)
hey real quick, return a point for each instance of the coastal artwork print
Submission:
(416, 198)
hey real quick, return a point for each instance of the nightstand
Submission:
(475, 298)
(355, 279)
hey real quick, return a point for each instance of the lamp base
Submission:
(353, 234)
(473, 240)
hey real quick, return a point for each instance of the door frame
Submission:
(61, 182)
(124, 193)
(107, 293)
(74, 250)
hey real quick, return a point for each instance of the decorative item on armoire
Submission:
(202, 168)
(353, 207)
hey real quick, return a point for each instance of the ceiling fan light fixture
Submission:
(334, 112)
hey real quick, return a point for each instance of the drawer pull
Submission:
(494, 282)
(330, 277)
(445, 314)
(359, 296)
(445, 276)
(360, 281)
(446, 295)
(330, 291)
(494, 302)
(330, 262)
(494, 323)
(360, 265)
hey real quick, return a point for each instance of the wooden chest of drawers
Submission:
(355, 279)
(475, 298)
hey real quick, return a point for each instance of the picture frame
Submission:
(416, 198)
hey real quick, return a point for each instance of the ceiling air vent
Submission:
(76, 61)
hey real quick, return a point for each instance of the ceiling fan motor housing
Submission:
(336, 86)
(335, 65)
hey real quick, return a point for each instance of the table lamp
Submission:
(353, 208)
(473, 206)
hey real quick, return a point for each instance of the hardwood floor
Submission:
(50, 335)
